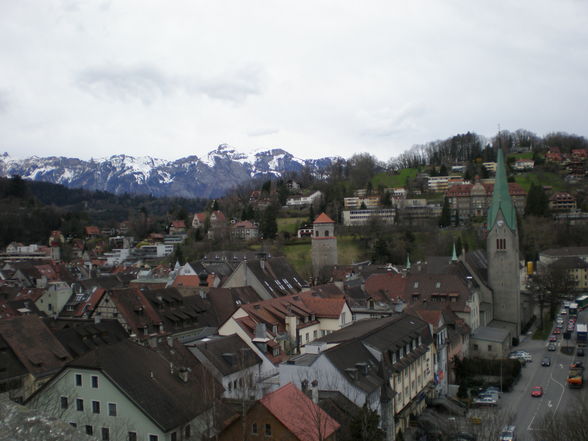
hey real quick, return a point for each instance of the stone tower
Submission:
(502, 247)
(324, 244)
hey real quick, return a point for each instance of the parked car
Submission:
(551, 347)
(553, 338)
(580, 352)
(507, 433)
(484, 401)
(537, 392)
(546, 361)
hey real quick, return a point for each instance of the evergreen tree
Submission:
(445, 219)
(537, 201)
(269, 225)
(443, 170)
(364, 426)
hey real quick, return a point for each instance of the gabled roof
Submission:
(34, 344)
(81, 336)
(299, 414)
(136, 310)
(277, 276)
(145, 377)
(501, 201)
(323, 219)
(228, 354)
(225, 301)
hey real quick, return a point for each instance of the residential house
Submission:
(562, 201)
(549, 256)
(225, 301)
(300, 200)
(286, 413)
(522, 164)
(92, 231)
(134, 312)
(29, 355)
(576, 268)
(358, 217)
(270, 277)
(177, 227)
(491, 343)
(126, 391)
(232, 363)
(244, 230)
(276, 327)
(386, 364)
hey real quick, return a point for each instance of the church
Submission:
(498, 269)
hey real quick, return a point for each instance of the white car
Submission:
(484, 401)
(507, 433)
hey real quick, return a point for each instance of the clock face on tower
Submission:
(500, 223)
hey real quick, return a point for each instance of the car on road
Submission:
(557, 331)
(553, 338)
(537, 391)
(546, 361)
(484, 401)
(580, 352)
(551, 347)
(507, 433)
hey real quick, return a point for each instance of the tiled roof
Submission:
(145, 377)
(135, 308)
(225, 301)
(81, 336)
(277, 275)
(566, 251)
(178, 224)
(228, 354)
(323, 219)
(33, 343)
(190, 281)
(299, 414)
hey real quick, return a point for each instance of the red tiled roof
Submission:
(201, 217)
(178, 224)
(465, 189)
(299, 414)
(93, 230)
(191, 281)
(323, 219)
(90, 303)
(387, 285)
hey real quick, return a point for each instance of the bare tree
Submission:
(568, 425)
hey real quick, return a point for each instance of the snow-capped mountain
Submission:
(209, 176)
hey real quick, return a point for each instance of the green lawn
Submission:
(527, 155)
(542, 178)
(290, 224)
(396, 180)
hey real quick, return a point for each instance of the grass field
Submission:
(298, 254)
(290, 224)
(541, 178)
(397, 180)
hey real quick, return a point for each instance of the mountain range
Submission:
(207, 177)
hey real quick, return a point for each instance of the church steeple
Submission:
(501, 200)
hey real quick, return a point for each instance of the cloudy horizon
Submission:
(325, 78)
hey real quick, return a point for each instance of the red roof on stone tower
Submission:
(323, 219)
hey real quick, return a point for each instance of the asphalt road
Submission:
(527, 413)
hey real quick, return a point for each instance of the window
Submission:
(475, 347)
(64, 402)
(72, 424)
(132, 436)
(343, 318)
(94, 381)
(111, 409)
(314, 334)
(268, 430)
(326, 233)
(489, 347)
(105, 434)
(187, 431)
(78, 379)
(80, 404)
(307, 337)
(95, 406)
(153, 438)
(501, 244)
(89, 430)
(254, 429)
(174, 436)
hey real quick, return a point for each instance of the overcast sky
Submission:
(317, 78)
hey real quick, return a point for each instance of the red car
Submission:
(537, 391)
(557, 331)
(553, 338)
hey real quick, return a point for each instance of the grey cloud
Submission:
(388, 122)
(148, 83)
(141, 83)
(234, 86)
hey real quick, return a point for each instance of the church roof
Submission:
(501, 201)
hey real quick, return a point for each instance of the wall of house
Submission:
(54, 299)
(489, 349)
(129, 418)
(243, 277)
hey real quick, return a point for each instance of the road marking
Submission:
(549, 404)
(563, 389)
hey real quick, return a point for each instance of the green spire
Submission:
(454, 255)
(501, 201)
(407, 261)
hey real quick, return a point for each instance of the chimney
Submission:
(171, 368)
(304, 386)
(183, 374)
(314, 391)
(260, 339)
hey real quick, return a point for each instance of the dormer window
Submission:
(416, 285)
